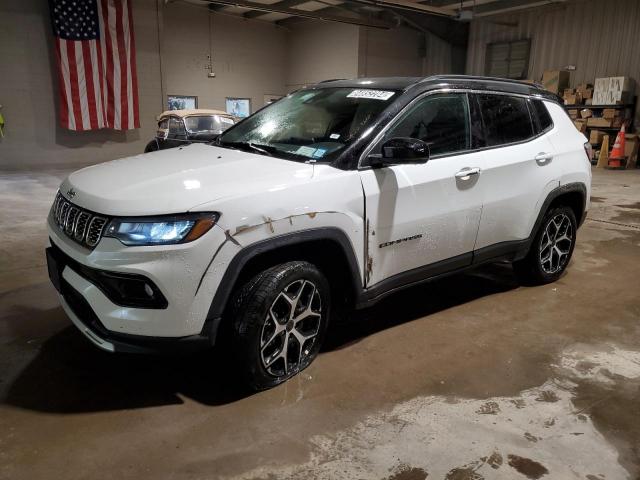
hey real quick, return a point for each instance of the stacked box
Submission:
(585, 90)
(581, 125)
(596, 137)
(611, 113)
(555, 81)
(599, 122)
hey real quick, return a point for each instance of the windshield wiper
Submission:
(264, 149)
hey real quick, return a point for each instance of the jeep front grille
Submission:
(81, 225)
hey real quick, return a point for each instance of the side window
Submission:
(176, 127)
(506, 119)
(163, 125)
(542, 114)
(440, 120)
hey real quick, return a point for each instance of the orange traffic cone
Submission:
(617, 153)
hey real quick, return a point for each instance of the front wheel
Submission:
(551, 249)
(152, 146)
(279, 320)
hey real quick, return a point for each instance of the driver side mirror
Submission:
(401, 151)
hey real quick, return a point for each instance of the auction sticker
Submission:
(372, 94)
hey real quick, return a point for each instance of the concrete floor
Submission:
(472, 377)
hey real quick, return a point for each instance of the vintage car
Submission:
(180, 127)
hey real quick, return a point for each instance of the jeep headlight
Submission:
(161, 230)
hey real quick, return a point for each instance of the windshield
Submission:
(309, 124)
(207, 123)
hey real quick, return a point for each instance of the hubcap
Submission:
(555, 244)
(290, 329)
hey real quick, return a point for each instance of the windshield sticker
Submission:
(371, 94)
(306, 151)
(319, 153)
(334, 136)
(226, 120)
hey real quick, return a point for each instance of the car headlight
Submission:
(162, 230)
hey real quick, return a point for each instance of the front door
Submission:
(424, 217)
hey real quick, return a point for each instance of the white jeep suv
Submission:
(333, 197)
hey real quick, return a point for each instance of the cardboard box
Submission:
(581, 125)
(586, 113)
(596, 136)
(611, 113)
(555, 81)
(599, 122)
(631, 144)
(586, 90)
(573, 99)
(573, 114)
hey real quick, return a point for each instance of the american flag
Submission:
(96, 55)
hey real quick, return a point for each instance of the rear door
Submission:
(520, 168)
(425, 215)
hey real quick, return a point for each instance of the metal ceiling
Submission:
(372, 13)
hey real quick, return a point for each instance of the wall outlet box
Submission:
(211, 75)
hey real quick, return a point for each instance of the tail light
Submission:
(588, 149)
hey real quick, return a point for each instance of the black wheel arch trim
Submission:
(511, 250)
(244, 256)
(553, 195)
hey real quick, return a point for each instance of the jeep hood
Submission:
(178, 179)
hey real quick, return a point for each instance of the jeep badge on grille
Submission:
(71, 193)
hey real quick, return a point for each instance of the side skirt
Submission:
(501, 252)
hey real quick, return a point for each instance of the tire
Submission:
(152, 146)
(279, 320)
(548, 257)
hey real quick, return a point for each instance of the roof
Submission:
(194, 111)
(439, 81)
(386, 83)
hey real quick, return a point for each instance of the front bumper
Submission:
(85, 319)
(184, 274)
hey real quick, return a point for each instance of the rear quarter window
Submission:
(506, 119)
(542, 115)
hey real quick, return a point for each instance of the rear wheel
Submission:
(551, 249)
(279, 320)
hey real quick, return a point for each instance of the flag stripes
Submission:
(96, 64)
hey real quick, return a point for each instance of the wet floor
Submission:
(471, 377)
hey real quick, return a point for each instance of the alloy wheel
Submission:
(556, 243)
(291, 329)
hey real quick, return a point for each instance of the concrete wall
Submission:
(319, 51)
(248, 56)
(29, 91)
(248, 59)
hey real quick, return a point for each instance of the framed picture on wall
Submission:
(239, 107)
(181, 102)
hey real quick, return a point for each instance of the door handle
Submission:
(543, 157)
(467, 173)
